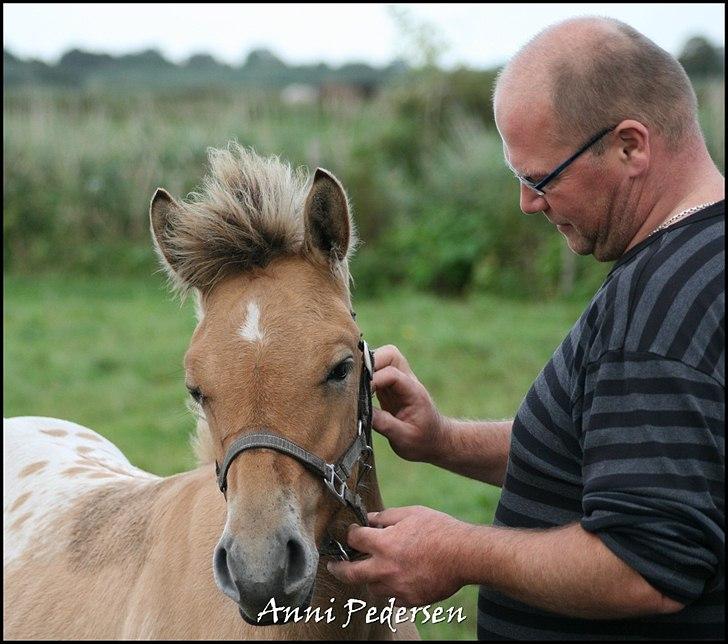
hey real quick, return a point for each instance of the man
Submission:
(611, 519)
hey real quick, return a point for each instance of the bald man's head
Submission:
(590, 73)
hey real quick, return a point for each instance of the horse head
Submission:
(274, 364)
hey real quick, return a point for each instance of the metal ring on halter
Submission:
(332, 479)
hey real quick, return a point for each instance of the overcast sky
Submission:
(479, 35)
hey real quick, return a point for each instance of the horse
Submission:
(277, 371)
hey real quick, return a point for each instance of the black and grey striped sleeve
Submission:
(653, 440)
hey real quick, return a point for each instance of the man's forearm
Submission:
(478, 450)
(564, 570)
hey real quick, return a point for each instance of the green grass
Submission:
(108, 354)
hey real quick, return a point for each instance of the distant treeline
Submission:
(261, 68)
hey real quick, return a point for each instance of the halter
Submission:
(335, 475)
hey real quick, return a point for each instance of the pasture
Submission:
(107, 353)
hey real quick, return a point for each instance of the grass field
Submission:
(108, 354)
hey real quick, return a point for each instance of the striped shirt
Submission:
(623, 431)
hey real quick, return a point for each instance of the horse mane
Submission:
(203, 447)
(248, 211)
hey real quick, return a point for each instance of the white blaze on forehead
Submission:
(250, 329)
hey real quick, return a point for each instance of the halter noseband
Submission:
(335, 476)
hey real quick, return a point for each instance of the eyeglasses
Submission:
(538, 186)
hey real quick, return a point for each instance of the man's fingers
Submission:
(362, 538)
(394, 379)
(386, 424)
(351, 572)
(389, 355)
(388, 517)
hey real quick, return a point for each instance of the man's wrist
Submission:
(467, 560)
(442, 445)
(475, 546)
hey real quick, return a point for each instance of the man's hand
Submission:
(408, 417)
(414, 555)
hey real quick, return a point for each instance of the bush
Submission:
(434, 203)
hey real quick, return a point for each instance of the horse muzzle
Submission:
(282, 568)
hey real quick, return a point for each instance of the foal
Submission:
(96, 548)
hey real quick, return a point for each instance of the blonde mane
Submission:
(248, 211)
(202, 444)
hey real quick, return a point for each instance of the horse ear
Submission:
(163, 211)
(326, 215)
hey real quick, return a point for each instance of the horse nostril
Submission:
(295, 564)
(222, 574)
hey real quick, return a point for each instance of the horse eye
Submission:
(340, 371)
(196, 394)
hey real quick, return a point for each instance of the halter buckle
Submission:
(332, 479)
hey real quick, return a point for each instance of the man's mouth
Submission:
(558, 224)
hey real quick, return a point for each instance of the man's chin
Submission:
(577, 244)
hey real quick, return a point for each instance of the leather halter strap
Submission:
(335, 475)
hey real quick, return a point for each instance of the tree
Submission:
(262, 58)
(701, 59)
(422, 43)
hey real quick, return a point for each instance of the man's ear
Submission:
(633, 139)
(327, 223)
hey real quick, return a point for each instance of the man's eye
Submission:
(340, 371)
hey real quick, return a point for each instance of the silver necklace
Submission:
(681, 215)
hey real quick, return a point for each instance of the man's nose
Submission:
(531, 202)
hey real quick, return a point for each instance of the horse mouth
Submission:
(285, 616)
(255, 622)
